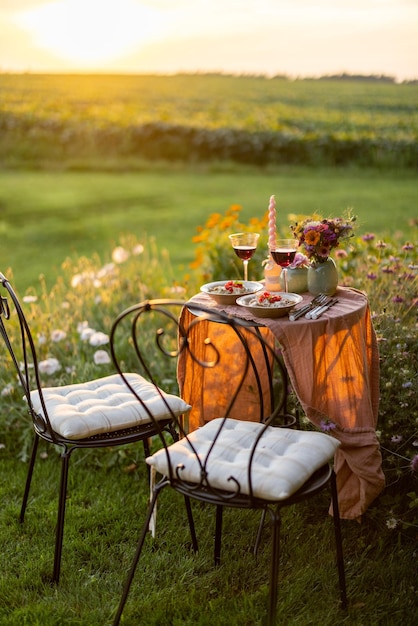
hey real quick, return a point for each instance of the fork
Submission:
(319, 299)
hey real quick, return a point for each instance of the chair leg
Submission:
(65, 460)
(274, 566)
(259, 532)
(338, 542)
(146, 445)
(29, 478)
(137, 553)
(191, 523)
(218, 534)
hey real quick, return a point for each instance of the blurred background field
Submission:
(85, 121)
(48, 216)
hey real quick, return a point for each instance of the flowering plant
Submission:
(300, 261)
(318, 236)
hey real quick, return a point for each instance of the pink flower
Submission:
(300, 260)
(326, 425)
(341, 254)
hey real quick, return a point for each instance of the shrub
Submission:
(70, 323)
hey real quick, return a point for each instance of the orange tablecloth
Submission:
(333, 365)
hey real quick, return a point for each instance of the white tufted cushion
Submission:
(104, 405)
(283, 462)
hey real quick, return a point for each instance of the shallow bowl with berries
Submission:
(269, 303)
(227, 291)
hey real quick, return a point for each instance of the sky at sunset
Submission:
(292, 37)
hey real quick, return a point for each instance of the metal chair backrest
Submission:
(17, 337)
(154, 332)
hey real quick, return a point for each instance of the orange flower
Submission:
(213, 220)
(312, 237)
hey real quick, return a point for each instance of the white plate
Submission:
(270, 311)
(227, 298)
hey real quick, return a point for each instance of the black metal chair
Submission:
(94, 414)
(228, 462)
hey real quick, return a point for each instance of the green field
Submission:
(46, 217)
(110, 121)
(85, 159)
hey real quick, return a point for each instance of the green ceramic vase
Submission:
(323, 278)
(297, 280)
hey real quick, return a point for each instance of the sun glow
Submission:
(93, 32)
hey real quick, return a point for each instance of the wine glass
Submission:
(245, 245)
(283, 253)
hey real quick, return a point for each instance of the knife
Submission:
(317, 312)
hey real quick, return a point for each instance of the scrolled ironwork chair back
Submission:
(19, 343)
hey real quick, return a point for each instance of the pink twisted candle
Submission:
(272, 222)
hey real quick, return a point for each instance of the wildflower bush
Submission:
(70, 324)
(214, 256)
(386, 270)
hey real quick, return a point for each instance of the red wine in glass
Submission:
(244, 253)
(244, 245)
(283, 257)
(283, 253)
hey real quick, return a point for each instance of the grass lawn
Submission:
(46, 216)
(173, 586)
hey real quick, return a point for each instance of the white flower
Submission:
(106, 270)
(7, 390)
(101, 357)
(138, 249)
(76, 280)
(41, 340)
(65, 305)
(98, 339)
(86, 333)
(80, 279)
(58, 335)
(81, 326)
(49, 366)
(29, 299)
(391, 523)
(120, 255)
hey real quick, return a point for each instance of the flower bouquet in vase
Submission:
(317, 237)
